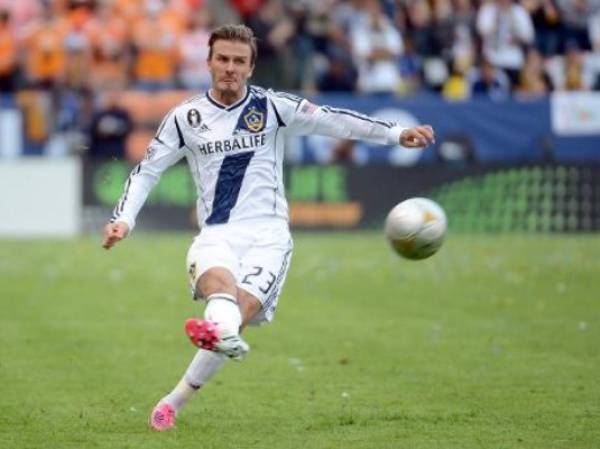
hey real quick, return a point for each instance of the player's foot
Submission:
(205, 335)
(162, 417)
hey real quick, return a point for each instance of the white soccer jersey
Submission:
(235, 153)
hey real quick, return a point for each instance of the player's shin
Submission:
(223, 310)
(203, 367)
(220, 329)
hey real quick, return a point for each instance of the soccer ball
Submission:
(416, 228)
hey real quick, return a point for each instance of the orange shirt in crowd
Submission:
(45, 54)
(157, 52)
(109, 36)
(129, 10)
(8, 51)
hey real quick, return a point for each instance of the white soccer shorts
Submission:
(257, 252)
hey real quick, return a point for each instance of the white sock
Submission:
(204, 366)
(223, 310)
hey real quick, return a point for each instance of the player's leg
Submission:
(256, 296)
(203, 367)
(220, 328)
(206, 363)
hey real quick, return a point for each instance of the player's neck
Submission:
(227, 98)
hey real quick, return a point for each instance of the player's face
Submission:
(230, 66)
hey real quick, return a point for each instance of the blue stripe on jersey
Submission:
(179, 134)
(280, 122)
(357, 115)
(228, 186)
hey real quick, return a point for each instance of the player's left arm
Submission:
(304, 117)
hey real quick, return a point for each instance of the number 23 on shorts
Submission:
(261, 279)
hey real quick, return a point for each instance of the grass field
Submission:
(492, 343)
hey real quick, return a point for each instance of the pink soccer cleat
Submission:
(162, 417)
(205, 335)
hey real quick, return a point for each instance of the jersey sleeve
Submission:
(301, 117)
(165, 149)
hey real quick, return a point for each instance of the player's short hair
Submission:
(238, 33)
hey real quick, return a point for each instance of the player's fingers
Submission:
(417, 139)
(427, 132)
(107, 243)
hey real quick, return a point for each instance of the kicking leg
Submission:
(229, 313)
(228, 309)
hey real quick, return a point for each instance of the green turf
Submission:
(492, 343)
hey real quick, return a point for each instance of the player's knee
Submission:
(216, 280)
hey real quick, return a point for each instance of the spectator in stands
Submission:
(273, 30)
(533, 79)
(456, 86)
(505, 28)
(247, 9)
(78, 45)
(546, 22)
(128, 10)
(193, 51)
(410, 65)
(45, 57)
(314, 38)
(156, 50)
(22, 12)
(8, 54)
(573, 71)
(463, 50)
(575, 18)
(420, 27)
(110, 127)
(340, 75)
(110, 56)
(376, 46)
(488, 81)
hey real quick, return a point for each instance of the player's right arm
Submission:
(166, 148)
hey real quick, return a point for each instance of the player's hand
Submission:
(417, 137)
(113, 233)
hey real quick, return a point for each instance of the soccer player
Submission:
(232, 138)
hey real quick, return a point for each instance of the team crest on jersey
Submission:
(255, 120)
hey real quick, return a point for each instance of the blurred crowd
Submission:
(457, 47)
(83, 53)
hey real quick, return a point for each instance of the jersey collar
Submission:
(230, 107)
